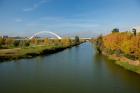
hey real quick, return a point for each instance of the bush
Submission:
(132, 57)
(27, 43)
(16, 43)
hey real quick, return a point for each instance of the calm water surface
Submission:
(75, 70)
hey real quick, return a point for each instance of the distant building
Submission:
(137, 29)
(5, 36)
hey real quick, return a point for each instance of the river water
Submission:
(76, 70)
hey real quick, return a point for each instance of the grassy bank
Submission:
(29, 52)
(126, 63)
(129, 67)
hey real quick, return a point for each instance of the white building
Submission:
(137, 29)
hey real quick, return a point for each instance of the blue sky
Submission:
(67, 17)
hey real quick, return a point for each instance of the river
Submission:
(76, 70)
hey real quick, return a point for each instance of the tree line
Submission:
(12, 43)
(120, 43)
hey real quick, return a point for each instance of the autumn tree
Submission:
(46, 41)
(66, 42)
(57, 42)
(9, 42)
(34, 41)
(122, 43)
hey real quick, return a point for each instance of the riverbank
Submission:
(29, 52)
(123, 47)
(128, 64)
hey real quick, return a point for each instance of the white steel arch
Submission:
(48, 32)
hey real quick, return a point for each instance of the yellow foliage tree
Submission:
(9, 42)
(46, 41)
(124, 41)
(66, 42)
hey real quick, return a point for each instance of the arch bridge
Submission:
(47, 32)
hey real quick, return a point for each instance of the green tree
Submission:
(99, 44)
(16, 43)
(134, 31)
(21, 43)
(77, 40)
(26, 43)
(1, 41)
(115, 30)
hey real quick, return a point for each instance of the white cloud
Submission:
(36, 5)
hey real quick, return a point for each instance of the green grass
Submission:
(27, 52)
(128, 66)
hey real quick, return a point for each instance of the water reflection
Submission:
(76, 70)
(117, 78)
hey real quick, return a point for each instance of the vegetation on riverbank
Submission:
(127, 66)
(132, 65)
(30, 48)
(124, 47)
(28, 52)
